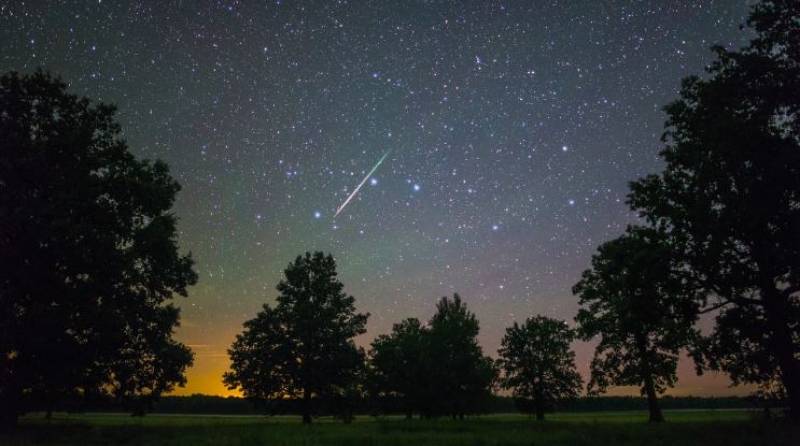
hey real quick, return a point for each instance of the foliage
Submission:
(729, 199)
(92, 254)
(399, 366)
(303, 347)
(634, 299)
(438, 369)
(539, 365)
(461, 377)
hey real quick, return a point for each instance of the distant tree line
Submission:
(495, 404)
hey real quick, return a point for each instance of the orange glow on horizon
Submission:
(205, 377)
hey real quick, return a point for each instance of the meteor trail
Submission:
(355, 191)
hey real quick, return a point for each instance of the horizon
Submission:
(712, 384)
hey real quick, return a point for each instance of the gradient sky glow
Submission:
(513, 132)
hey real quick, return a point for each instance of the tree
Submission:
(538, 364)
(642, 310)
(729, 199)
(258, 357)
(92, 250)
(434, 369)
(462, 378)
(150, 364)
(303, 347)
(399, 364)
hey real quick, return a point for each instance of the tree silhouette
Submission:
(399, 365)
(92, 250)
(538, 364)
(436, 369)
(303, 347)
(641, 309)
(461, 378)
(729, 199)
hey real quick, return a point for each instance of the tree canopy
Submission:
(538, 364)
(303, 346)
(729, 199)
(399, 365)
(463, 377)
(92, 254)
(436, 369)
(635, 301)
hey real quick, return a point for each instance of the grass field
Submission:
(683, 428)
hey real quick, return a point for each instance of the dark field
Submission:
(597, 428)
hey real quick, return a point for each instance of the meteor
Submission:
(355, 191)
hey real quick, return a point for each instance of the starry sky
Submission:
(512, 129)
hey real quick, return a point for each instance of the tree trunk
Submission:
(539, 400)
(644, 352)
(539, 412)
(652, 400)
(306, 406)
(790, 375)
(783, 347)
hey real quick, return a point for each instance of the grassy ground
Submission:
(684, 428)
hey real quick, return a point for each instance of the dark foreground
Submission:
(683, 428)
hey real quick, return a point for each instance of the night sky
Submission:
(512, 131)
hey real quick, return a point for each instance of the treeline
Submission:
(299, 356)
(496, 404)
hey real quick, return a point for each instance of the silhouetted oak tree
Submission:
(303, 347)
(90, 255)
(642, 311)
(460, 378)
(434, 369)
(538, 364)
(399, 365)
(729, 199)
